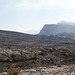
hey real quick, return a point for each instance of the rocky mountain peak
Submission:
(61, 27)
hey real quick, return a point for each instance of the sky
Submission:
(29, 16)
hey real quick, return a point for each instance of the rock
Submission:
(5, 58)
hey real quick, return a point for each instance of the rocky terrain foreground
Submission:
(51, 70)
(30, 57)
(36, 53)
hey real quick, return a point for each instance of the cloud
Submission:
(67, 17)
(54, 2)
(48, 3)
(68, 2)
(37, 4)
(23, 4)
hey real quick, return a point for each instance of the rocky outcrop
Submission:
(39, 53)
(35, 56)
(19, 55)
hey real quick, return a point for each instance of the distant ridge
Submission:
(67, 23)
(12, 38)
(13, 32)
(61, 27)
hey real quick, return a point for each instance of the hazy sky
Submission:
(29, 16)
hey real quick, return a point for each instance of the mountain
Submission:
(67, 23)
(62, 27)
(20, 40)
(66, 35)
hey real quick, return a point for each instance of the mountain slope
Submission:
(19, 40)
(53, 29)
(66, 35)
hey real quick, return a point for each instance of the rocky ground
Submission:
(31, 57)
(52, 70)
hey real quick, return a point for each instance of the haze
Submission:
(29, 16)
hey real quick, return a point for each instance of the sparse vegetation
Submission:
(59, 64)
(13, 70)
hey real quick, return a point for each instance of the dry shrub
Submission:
(13, 70)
